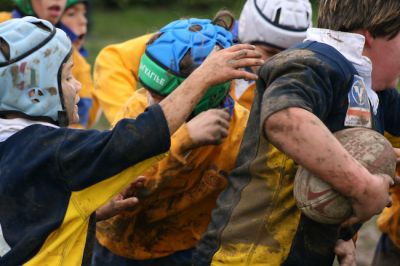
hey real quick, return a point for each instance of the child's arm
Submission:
(209, 127)
(303, 137)
(219, 67)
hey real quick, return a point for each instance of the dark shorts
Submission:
(103, 257)
(386, 253)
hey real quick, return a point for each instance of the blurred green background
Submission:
(116, 25)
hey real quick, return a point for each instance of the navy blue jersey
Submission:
(256, 221)
(45, 171)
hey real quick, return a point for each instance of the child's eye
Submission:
(70, 14)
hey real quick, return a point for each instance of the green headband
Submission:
(163, 82)
(25, 7)
(74, 2)
(157, 78)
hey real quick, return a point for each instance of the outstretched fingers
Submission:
(243, 56)
(245, 62)
(245, 53)
(243, 74)
(241, 46)
(132, 189)
(226, 64)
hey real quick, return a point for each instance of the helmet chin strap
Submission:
(63, 120)
(161, 82)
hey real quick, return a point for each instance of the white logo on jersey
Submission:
(358, 93)
(359, 110)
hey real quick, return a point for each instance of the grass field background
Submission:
(119, 25)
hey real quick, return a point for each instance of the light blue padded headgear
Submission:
(30, 73)
(179, 36)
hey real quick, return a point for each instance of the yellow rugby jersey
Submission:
(88, 105)
(243, 92)
(116, 74)
(65, 246)
(180, 193)
(389, 220)
(256, 221)
(5, 16)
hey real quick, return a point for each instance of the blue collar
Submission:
(73, 37)
(16, 13)
(229, 104)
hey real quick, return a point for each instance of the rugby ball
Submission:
(316, 198)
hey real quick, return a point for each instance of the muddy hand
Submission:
(223, 65)
(124, 200)
(346, 252)
(372, 200)
(209, 127)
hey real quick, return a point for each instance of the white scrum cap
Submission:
(277, 23)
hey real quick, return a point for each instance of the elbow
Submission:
(277, 124)
(272, 126)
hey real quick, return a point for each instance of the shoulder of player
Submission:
(300, 62)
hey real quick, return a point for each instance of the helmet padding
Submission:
(278, 23)
(160, 70)
(30, 69)
(199, 36)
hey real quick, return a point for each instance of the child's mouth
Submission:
(55, 11)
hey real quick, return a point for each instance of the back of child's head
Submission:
(178, 49)
(276, 23)
(32, 53)
(380, 17)
(25, 7)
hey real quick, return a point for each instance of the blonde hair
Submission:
(224, 18)
(380, 17)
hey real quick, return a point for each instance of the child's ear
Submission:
(369, 39)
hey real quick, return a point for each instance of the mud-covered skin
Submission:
(256, 217)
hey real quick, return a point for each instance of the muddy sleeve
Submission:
(296, 84)
(87, 157)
